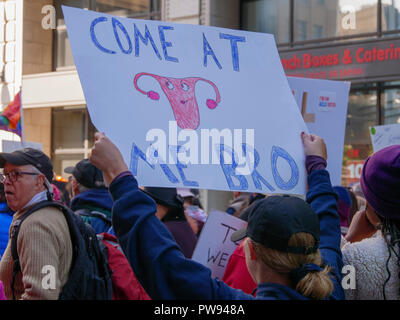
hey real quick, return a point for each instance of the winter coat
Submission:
(369, 258)
(98, 200)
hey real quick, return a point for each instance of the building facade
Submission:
(357, 41)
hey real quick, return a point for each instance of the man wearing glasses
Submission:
(44, 244)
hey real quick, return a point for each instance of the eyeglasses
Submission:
(14, 175)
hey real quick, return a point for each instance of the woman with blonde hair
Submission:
(289, 242)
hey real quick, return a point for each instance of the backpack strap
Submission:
(104, 238)
(14, 239)
(94, 214)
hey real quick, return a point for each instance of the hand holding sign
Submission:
(107, 158)
(314, 145)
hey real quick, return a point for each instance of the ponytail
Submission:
(304, 271)
(316, 285)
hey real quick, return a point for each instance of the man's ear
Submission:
(41, 180)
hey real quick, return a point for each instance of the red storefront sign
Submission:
(356, 61)
(353, 153)
(353, 171)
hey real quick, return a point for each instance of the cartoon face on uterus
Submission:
(180, 93)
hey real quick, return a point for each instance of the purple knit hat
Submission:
(380, 182)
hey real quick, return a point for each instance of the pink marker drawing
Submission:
(180, 93)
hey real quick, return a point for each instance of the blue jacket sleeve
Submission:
(155, 257)
(322, 199)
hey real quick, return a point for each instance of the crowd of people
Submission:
(292, 247)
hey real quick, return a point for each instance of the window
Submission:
(317, 31)
(356, 17)
(390, 99)
(73, 136)
(269, 16)
(62, 54)
(301, 30)
(138, 9)
(361, 114)
(335, 18)
(308, 21)
(390, 15)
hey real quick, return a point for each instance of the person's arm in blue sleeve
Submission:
(323, 201)
(155, 257)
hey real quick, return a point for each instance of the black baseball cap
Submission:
(87, 174)
(273, 220)
(165, 196)
(29, 156)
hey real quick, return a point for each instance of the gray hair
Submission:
(47, 183)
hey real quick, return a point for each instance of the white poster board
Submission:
(323, 104)
(190, 106)
(384, 136)
(214, 246)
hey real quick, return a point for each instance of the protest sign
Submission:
(214, 246)
(323, 104)
(190, 106)
(384, 136)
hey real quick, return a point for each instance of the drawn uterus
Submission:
(180, 93)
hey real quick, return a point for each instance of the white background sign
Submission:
(384, 136)
(214, 246)
(323, 104)
(162, 92)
